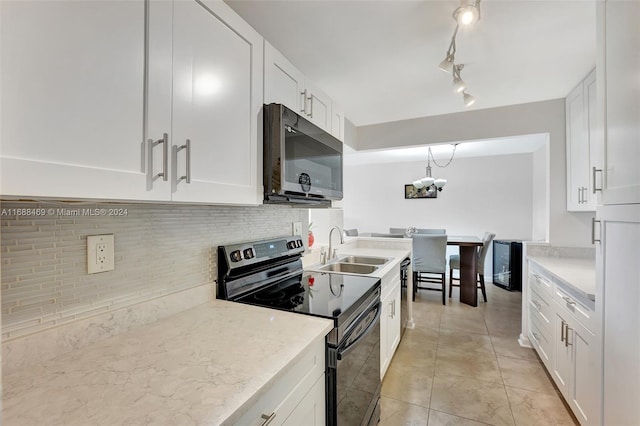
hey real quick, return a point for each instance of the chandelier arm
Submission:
(430, 157)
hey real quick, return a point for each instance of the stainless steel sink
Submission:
(366, 260)
(349, 268)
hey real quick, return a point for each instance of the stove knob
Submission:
(300, 243)
(248, 253)
(236, 256)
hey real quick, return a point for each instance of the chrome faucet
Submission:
(332, 255)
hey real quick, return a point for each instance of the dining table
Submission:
(468, 249)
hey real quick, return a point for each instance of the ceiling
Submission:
(442, 153)
(379, 59)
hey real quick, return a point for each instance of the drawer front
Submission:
(538, 282)
(541, 308)
(288, 391)
(541, 338)
(389, 280)
(574, 307)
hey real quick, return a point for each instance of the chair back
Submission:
(351, 232)
(374, 234)
(429, 253)
(482, 253)
(430, 231)
(397, 230)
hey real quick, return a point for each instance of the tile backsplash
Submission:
(159, 250)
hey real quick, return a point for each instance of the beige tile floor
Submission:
(463, 366)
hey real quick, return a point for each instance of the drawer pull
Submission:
(535, 335)
(268, 418)
(568, 300)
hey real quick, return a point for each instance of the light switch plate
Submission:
(100, 253)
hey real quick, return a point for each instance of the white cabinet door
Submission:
(583, 393)
(318, 107)
(390, 331)
(311, 411)
(619, 269)
(385, 315)
(582, 142)
(73, 100)
(337, 122)
(283, 82)
(217, 98)
(562, 363)
(620, 39)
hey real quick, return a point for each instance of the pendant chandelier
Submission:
(433, 184)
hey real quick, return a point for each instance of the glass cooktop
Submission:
(315, 293)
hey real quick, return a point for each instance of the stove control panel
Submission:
(237, 255)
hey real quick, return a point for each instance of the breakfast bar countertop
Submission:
(207, 365)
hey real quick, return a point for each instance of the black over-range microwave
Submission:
(302, 162)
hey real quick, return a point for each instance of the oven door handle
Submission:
(343, 351)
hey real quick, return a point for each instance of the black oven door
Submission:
(353, 373)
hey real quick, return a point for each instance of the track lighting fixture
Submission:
(467, 13)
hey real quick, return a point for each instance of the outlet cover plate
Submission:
(100, 253)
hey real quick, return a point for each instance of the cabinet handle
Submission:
(187, 148)
(562, 337)
(594, 180)
(593, 231)
(165, 155)
(566, 338)
(568, 300)
(535, 335)
(579, 195)
(310, 106)
(304, 102)
(268, 418)
(391, 312)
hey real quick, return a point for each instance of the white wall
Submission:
(540, 203)
(483, 194)
(565, 229)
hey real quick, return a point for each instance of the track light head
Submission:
(468, 99)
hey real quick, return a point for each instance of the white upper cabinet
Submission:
(337, 121)
(217, 88)
(73, 100)
(100, 98)
(619, 56)
(285, 84)
(583, 143)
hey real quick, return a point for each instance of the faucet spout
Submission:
(331, 254)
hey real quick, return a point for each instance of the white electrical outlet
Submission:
(100, 253)
(297, 228)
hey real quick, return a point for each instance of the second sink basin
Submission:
(366, 260)
(350, 268)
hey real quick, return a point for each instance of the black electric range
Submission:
(269, 273)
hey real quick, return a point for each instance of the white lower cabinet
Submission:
(568, 349)
(390, 318)
(297, 398)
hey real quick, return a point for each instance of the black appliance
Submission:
(302, 162)
(269, 273)
(507, 264)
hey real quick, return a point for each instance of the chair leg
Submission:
(450, 281)
(444, 290)
(415, 285)
(484, 292)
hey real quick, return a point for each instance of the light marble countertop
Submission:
(578, 274)
(204, 366)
